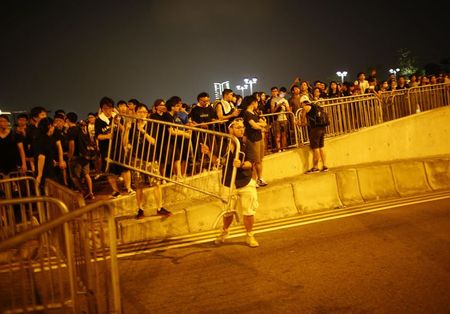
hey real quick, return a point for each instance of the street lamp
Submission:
(242, 88)
(251, 82)
(394, 71)
(342, 75)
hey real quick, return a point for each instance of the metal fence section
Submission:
(173, 153)
(428, 97)
(67, 263)
(22, 216)
(72, 199)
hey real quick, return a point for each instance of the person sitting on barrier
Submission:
(254, 129)
(142, 150)
(246, 196)
(316, 132)
(280, 105)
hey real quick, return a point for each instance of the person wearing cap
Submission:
(246, 197)
(316, 135)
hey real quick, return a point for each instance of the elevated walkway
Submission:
(400, 158)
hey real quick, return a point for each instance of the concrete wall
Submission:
(420, 135)
(305, 194)
(392, 161)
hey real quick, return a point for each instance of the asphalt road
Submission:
(391, 261)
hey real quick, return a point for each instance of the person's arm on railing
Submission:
(61, 163)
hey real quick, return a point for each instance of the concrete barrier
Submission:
(291, 163)
(410, 177)
(438, 173)
(201, 216)
(275, 202)
(348, 187)
(153, 227)
(315, 192)
(376, 183)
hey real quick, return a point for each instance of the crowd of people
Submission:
(72, 150)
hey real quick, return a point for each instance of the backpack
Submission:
(319, 118)
(87, 147)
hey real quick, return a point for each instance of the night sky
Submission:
(69, 54)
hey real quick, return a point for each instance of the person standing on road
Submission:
(245, 185)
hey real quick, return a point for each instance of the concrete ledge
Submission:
(316, 192)
(376, 183)
(153, 227)
(348, 187)
(287, 164)
(201, 216)
(410, 178)
(438, 173)
(275, 202)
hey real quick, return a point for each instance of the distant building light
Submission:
(219, 87)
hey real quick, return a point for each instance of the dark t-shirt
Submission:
(251, 133)
(140, 147)
(243, 176)
(46, 146)
(9, 156)
(102, 128)
(72, 135)
(201, 114)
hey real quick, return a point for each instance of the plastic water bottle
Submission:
(417, 108)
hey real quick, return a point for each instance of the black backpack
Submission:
(319, 117)
(87, 147)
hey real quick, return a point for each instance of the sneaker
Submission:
(261, 182)
(324, 169)
(89, 197)
(163, 212)
(251, 241)
(131, 192)
(312, 170)
(115, 194)
(140, 214)
(222, 237)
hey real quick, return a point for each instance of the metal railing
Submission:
(348, 114)
(173, 153)
(281, 131)
(72, 199)
(69, 262)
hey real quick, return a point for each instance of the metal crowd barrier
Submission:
(348, 114)
(176, 156)
(22, 216)
(68, 263)
(72, 199)
(281, 127)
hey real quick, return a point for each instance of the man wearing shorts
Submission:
(245, 187)
(316, 135)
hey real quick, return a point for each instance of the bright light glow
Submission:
(394, 71)
(250, 82)
(342, 74)
(219, 87)
(242, 88)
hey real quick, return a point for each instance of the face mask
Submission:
(282, 95)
